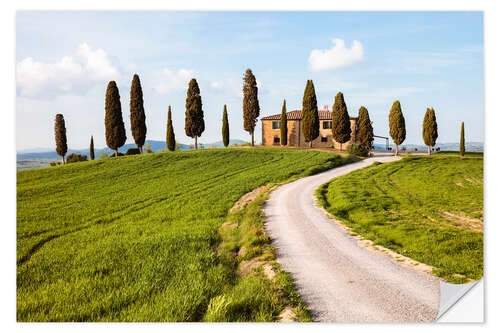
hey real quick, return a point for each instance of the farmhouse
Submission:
(271, 130)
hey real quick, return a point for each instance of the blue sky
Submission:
(64, 61)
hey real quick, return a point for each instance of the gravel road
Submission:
(338, 279)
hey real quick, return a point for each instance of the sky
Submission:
(65, 59)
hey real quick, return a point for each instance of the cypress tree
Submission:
(397, 127)
(137, 115)
(60, 134)
(251, 107)
(310, 117)
(194, 124)
(365, 129)
(91, 152)
(341, 125)
(430, 129)
(283, 125)
(462, 140)
(225, 128)
(115, 128)
(170, 131)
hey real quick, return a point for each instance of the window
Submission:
(324, 139)
(276, 140)
(276, 124)
(327, 124)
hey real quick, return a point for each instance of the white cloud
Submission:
(336, 57)
(173, 81)
(72, 74)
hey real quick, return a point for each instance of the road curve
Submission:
(339, 280)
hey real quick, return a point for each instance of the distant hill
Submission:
(41, 157)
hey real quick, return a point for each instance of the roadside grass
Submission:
(426, 208)
(134, 238)
(457, 153)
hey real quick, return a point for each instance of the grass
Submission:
(134, 238)
(426, 208)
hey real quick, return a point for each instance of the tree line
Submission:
(194, 125)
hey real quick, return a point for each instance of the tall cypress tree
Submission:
(137, 115)
(194, 125)
(365, 129)
(310, 117)
(170, 131)
(462, 140)
(60, 134)
(251, 109)
(283, 126)
(341, 125)
(91, 151)
(113, 120)
(430, 129)
(397, 127)
(225, 127)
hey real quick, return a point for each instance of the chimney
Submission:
(325, 108)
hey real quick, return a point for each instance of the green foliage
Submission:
(283, 125)
(194, 124)
(310, 117)
(113, 121)
(365, 129)
(462, 140)
(397, 127)
(426, 208)
(133, 151)
(91, 150)
(430, 128)
(225, 128)
(251, 108)
(341, 125)
(170, 131)
(60, 135)
(137, 115)
(148, 148)
(73, 158)
(357, 149)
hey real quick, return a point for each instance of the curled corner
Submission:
(452, 294)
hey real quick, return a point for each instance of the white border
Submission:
(492, 140)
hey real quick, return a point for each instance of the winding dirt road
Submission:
(338, 279)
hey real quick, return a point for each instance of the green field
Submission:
(135, 238)
(427, 208)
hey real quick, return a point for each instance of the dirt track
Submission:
(340, 280)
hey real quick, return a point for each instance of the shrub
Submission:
(113, 154)
(357, 150)
(72, 158)
(133, 151)
(53, 163)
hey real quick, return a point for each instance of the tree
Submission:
(60, 134)
(462, 140)
(341, 125)
(194, 125)
(397, 127)
(137, 115)
(225, 128)
(148, 148)
(430, 129)
(310, 117)
(170, 131)
(115, 128)
(91, 152)
(365, 129)
(283, 125)
(251, 107)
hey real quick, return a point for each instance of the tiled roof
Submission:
(297, 115)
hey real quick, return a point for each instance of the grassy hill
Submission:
(134, 238)
(427, 208)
